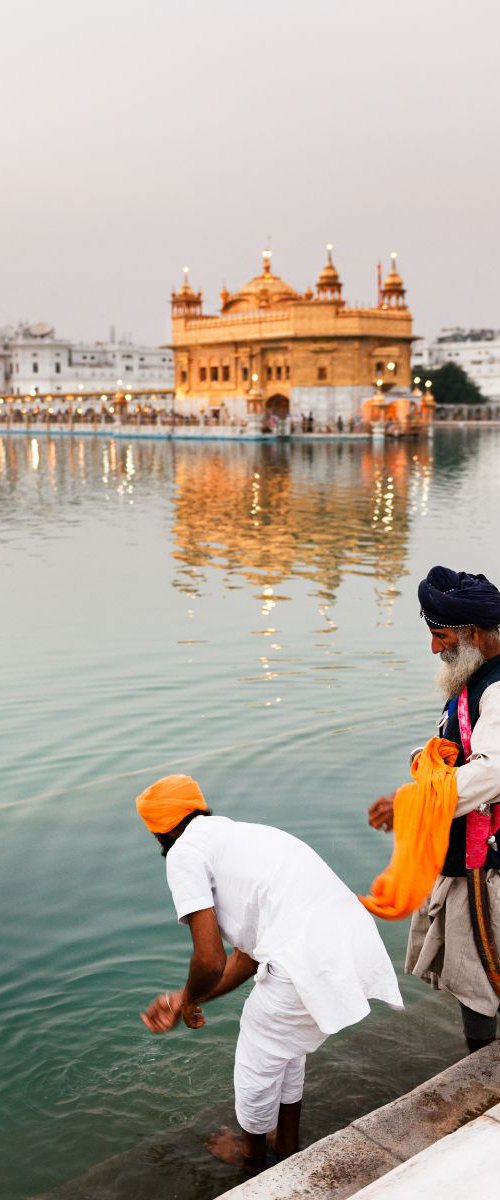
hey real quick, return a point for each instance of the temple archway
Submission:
(278, 406)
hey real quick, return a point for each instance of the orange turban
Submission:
(168, 801)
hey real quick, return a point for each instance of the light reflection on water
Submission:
(248, 614)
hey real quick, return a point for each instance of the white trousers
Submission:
(276, 1033)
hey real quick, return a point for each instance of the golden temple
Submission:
(273, 352)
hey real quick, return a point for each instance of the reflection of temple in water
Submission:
(263, 514)
(314, 511)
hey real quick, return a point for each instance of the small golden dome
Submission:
(186, 292)
(186, 302)
(329, 286)
(393, 291)
(328, 277)
(393, 282)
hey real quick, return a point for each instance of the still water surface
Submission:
(247, 614)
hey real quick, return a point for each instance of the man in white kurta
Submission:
(315, 952)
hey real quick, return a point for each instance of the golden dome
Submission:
(329, 286)
(186, 290)
(393, 282)
(186, 302)
(328, 277)
(263, 291)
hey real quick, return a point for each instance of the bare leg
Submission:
(245, 1149)
(254, 1150)
(479, 1030)
(287, 1133)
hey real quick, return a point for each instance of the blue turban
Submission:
(454, 599)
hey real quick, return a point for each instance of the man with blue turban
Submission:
(455, 937)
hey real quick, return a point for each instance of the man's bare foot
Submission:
(238, 1151)
(226, 1146)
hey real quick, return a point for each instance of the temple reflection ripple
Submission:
(320, 512)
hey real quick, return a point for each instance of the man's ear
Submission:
(475, 635)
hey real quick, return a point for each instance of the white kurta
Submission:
(441, 947)
(278, 901)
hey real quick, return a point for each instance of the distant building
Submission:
(273, 351)
(477, 351)
(34, 362)
(4, 367)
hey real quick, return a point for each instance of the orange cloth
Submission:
(423, 812)
(166, 802)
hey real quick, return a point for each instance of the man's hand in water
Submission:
(164, 1013)
(381, 813)
(192, 1015)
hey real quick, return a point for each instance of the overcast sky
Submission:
(139, 136)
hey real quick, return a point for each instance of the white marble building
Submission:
(477, 351)
(34, 362)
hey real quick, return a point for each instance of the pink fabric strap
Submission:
(464, 722)
(479, 826)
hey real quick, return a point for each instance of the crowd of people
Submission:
(30, 414)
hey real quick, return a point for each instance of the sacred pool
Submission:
(247, 614)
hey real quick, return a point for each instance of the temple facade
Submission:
(274, 351)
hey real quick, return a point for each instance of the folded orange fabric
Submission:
(168, 801)
(423, 812)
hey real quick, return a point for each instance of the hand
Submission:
(164, 1013)
(381, 813)
(192, 1015)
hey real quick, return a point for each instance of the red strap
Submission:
(479, 826)
(464, 722)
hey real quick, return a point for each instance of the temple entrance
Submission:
(278, 406)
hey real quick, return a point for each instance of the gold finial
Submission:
(266, 261)
(394, 258)
(329, 248)
(186, 274)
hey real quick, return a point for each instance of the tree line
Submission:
(452, 385)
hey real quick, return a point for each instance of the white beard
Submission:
(457, 667)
